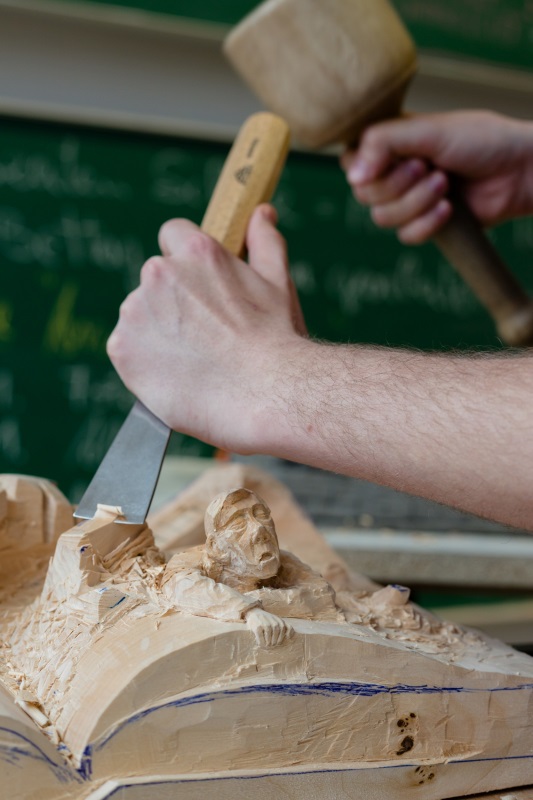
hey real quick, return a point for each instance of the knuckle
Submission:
(116, 350)
(169, 231)
(368, 138)
(203, 248)
(159, 269)
(372, 138)
(128, 307)
(153, 267)
(170, 225)
(113, 348)
(363, 195)
(380, 216)
(411, 235)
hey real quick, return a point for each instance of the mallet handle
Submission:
(466, 246)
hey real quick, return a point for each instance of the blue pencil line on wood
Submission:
(301, 689)
(61, 772)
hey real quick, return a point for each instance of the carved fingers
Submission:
(268, 629)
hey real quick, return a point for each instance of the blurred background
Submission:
(115, 116)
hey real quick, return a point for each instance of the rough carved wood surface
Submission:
(109, 688)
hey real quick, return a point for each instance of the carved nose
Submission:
(259, 533)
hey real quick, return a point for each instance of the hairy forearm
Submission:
(213, 347)
(452, 428)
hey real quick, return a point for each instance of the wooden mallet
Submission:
(332, 67)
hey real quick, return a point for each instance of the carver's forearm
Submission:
(456, 429)
(212, 346)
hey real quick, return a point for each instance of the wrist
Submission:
(301, 403)
(276, 383)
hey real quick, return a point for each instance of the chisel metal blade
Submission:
(128, 474)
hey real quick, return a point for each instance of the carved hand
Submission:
(269, 630)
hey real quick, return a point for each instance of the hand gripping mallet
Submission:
(332, 67)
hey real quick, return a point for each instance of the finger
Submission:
(283, 634)
(277, 635)
(173, 233)
(382, 144)
(152, 270)
(347, 158)
(426, 226)
(417, 201)
(395, 184)
(267, 249)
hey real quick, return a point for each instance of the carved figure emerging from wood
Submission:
(126, 675)
(240, 573)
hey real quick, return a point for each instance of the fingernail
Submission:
(360, 172)
(438, 181)
(416, 167)
(270, 214)
(443, 208)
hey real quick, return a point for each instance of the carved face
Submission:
(244, 531)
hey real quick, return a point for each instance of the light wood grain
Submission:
(110, 689)
(248, 178)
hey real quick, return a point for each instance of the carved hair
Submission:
(221, 503)
(216, 557)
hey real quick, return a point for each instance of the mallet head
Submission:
(329, 67)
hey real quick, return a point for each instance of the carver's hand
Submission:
(203, 341)
(269, 629)
(400, 170)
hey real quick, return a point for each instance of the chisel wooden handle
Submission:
(466, 246)
(248, 178)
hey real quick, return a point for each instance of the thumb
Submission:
(267, 249)
(267, 255)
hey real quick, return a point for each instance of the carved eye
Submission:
(261, 514)
(238, 524)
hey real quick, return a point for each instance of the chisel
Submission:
(128, 474)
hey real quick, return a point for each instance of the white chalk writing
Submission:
(479, 21)
(304, 277)
(91, 441)
(67, 333)
(358, 287)
(84, 389)
(169, 184)
(72, 240)
(10, 441)
(62, 175)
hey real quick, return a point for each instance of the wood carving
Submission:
(236, 668)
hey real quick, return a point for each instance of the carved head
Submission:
(241, 535)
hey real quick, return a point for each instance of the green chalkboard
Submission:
(225, 13)
(80, 210)
(492, 30)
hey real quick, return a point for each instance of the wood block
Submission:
(115, 686)
(33, 513)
